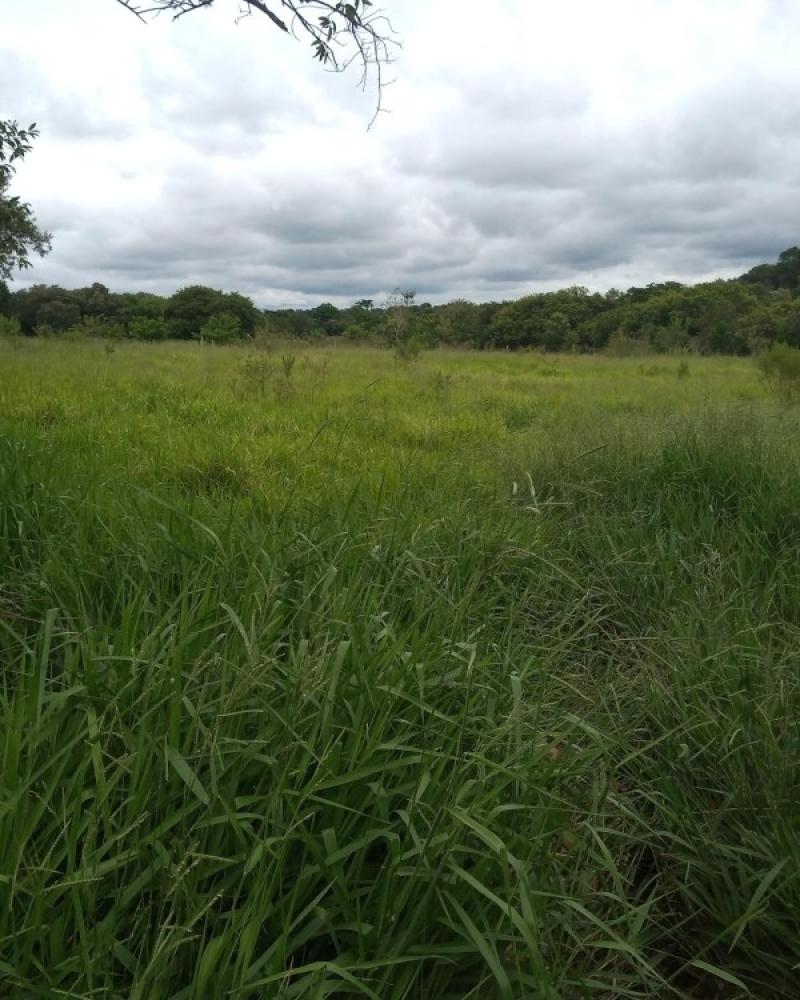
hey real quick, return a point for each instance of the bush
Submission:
(58, 314)
(780, 366)
(148, 328)
(190, 309)
(408, 348)
(96, 326)
(622, 345)
(221, 329)
(358, 332)
(255, 374)
(9, 327)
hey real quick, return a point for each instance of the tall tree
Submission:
(20, 236)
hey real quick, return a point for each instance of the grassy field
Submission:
(325, 675)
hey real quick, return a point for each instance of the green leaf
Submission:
(714, 970)
(187, 775)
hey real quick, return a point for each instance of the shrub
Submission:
(95, 326)
(148, 328)
(407, 348)
(76, 332)
(672, 338)
(254, 375)
(9, 327)
(221, 329)
(780, 366)
(358, 332)
(58, 314)
(190, 309)
(623, 345)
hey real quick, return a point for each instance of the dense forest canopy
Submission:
(739, 316)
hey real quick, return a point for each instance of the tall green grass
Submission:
(470, 678)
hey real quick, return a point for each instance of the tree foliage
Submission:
(140, 315)
(221, 328)
(742, 316)
(783, 274)
(20, 236)
(189, 310)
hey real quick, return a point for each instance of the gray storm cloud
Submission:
(212, 154)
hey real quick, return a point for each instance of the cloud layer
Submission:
(526, 148)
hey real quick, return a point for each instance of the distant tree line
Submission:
(194, 312)
(740, 316)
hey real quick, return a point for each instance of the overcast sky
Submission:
(528, 145)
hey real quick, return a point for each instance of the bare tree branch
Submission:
(341, 33)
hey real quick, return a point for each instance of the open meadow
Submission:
(327, 674)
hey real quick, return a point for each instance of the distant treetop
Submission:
(784, 274)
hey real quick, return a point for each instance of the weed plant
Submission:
(780, 366)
